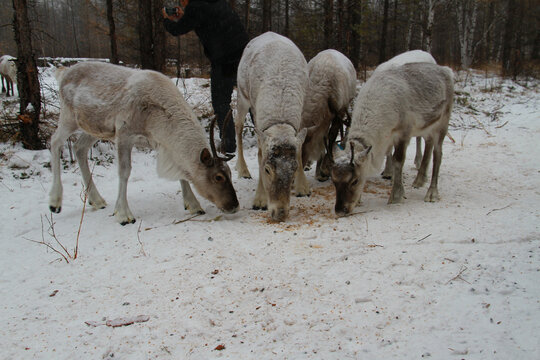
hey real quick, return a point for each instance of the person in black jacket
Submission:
(224, 38)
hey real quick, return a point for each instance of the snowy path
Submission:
(451, 280)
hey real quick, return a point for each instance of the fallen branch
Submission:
(176, 222)
(507, 206)
(424, 238)
(481, 125)
(500, 126)
(139, 239)
(458, 276)
(123, 321)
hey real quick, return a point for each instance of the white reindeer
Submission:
(393, 105)
(272, 80)
(116, 103)
(408, 57)
(332, 86)
(8, 71)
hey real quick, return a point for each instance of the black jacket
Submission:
(218, 27)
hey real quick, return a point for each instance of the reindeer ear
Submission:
(302, 135)
(362, 156)
(206, 158)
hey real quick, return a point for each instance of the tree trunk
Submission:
(340, 24)
(232, 3)
(145, 34)
(394, 29)
(247, 8)
(466, 11)
(267, 15)
(287, 28)
(354, 9)
(328, 23)
(428, 30)
(74, 29)
(159, 38)
(508, 39)
(27, 79)
(112, 32)
(382, 48)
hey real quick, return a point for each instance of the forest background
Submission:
(500, 34)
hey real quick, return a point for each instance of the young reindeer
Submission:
(272, 80)
(116, 103)
(8, 71)
(413, 56)
(394, 105)
(332, 86)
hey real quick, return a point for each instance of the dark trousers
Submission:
(223, 79)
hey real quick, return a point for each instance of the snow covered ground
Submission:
(458, 279)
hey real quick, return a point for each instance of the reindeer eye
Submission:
(267, 170)
(219, 178)
(355, 182)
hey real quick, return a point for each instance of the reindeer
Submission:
(331, 88)
(413, 56)
(8, 71)
(272, 80)
(116, 103)
(394, 105)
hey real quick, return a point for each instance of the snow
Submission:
(456, 279)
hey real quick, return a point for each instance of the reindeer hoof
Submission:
(255, 207)
(55, 209)
(96, 206)
(124, 223)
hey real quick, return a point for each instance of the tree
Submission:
(159, 37)
(509, 34)
(112, 32)
(328, 23)
(27, 79)
(267, 15)
(145, 34)
(467, 16)
(354, 8)
(384, 31)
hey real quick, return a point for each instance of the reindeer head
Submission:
(278, 162)
(216, 185)
(349, 175)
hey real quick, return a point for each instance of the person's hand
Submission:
(178, 16)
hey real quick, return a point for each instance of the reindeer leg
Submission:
(190, 201)
(418, 157)
(82, 145)
(62, 133)
(261, 197)
(121, 211)
(432, 194)
(241, 165)
(398, 159)
(388, 168)
(421, 176)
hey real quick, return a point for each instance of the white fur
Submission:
(393, 105)
(272, 81)
(332, 86)
(112, 102)
(413, 56)
(8, 70)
